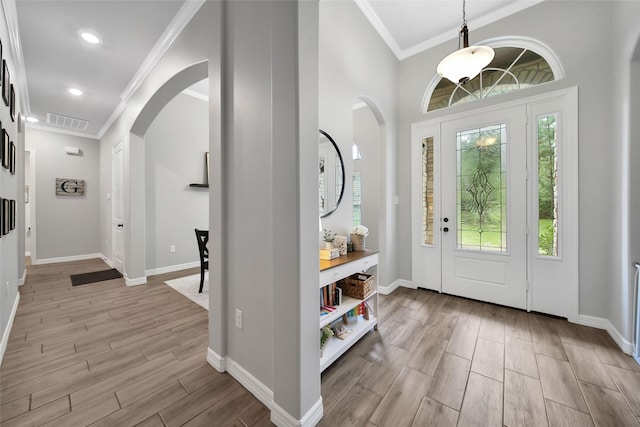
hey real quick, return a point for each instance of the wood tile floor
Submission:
(105, 354)
(110, 355)
(438, 360)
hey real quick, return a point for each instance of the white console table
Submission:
(332, 271)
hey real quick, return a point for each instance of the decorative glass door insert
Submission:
(482, 188)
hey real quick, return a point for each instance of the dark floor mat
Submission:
(96, 276)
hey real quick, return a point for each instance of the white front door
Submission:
(484, 207)
(117, 217)
(495, 204)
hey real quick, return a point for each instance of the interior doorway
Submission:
(365, 154)
(30, 246)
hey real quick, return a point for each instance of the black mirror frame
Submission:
(343, 174)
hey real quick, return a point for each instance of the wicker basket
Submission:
(358, 285)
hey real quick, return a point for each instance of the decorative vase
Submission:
(357, 240)
(340, 242)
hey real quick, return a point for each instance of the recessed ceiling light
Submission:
(90, 37)
(32, 119)
(75, 92)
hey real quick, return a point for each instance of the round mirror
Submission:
(330, 173)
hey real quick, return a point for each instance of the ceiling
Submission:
(135, 32)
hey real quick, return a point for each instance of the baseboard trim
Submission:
(107, 261)
(136, 281)
(214, 359)
(251, 383)
(7, 331)
(67, 259)
(23, 279)
(602, 323)
(386, 290)
(172, 268)
(282, 418)
(264, 394)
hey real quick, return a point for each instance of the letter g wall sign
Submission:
(69, 187)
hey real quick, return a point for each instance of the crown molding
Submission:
(382, 30)
(62, 131)
(173, 30)
(401, 54)
(11, 19)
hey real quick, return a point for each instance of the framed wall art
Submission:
(12, 214)
(5, 149)
(12, 104)
(6, 82)
(70, 187)
(12, 158)
(6, 218)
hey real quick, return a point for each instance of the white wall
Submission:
(66, 226)
(366, 134)
(175, 147)
(355, 63)
(599, 190)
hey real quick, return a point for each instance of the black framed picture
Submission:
(6, 82)
(6, 218)
(12, 158)
(5, 149)
(12, 104)
(12, 214)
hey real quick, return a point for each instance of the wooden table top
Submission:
(350, 256)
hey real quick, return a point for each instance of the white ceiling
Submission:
(412, 26)
(55, 58)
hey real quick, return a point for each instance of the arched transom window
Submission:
(512, 68)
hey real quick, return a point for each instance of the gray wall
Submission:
(12, 244)
(624, 145)
(598, 161)
(366, 133)
(65, 226)
(262, 112)
(175, 147)
(356, 64)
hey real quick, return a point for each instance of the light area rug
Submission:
(189, 285)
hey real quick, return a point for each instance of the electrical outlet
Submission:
(238, 319)
(172, 248)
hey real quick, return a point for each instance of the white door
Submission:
(117, 217)
(484, 207)
(507, 239)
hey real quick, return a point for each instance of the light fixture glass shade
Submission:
(464, 64)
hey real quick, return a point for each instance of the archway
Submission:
(134, 171)
(380, 203)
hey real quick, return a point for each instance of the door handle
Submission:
(445, 219)
(120, 225)
(445, 229)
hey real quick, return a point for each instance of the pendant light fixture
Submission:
(466, 63)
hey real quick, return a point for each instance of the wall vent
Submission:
(67, 122)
